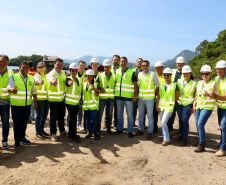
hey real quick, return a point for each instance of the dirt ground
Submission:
(114, 159)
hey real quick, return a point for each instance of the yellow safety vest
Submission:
(109, 86)
(113, 71)
(42, 89)
(222, 87)
(146, 86)
(3, 84)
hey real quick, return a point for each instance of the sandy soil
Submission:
(114, 159)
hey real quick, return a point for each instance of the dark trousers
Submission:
(72, 111)
(4, 113)
(172, 118)
(57, 112)
(20, 115)
(155, 114)
(115, 113)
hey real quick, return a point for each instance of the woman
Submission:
(203, 105)
(185, 102)
(73, 96)
(90, 104)
(168, 95)
(41, 82)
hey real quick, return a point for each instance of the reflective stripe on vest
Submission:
(146, 90)
(205, 102)
(110, 91)
(3, 84)
(23, 96)
(42, 89)
(188, 92)
(124, 85)
(222, 87)
(73, 93)
(57, 93)
(167, 98)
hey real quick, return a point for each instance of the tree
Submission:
(202, 46)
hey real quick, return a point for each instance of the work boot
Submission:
(200, 148)
(220, 153)
(183, 142)
(139, 133)
(149, 136)
(165, 143)
(88, 135)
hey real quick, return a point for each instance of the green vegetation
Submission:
(16, 61)
(210, 54)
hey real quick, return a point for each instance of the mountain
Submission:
(187, 54)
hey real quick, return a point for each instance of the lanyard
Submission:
(108, 78)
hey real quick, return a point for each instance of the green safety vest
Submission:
(146, 86)
(202, 101)
(187, 93)
(167, 97)
(82, 77)
(3, 84)
(113, 71)
(73, 93)
(222, 87)
(57, 93)
(23, 96)
(174, 75)
(42, 89)
(124, 84)
(109, 86)
(90, 100)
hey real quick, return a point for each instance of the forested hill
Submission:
(210, 53)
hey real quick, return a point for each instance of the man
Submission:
(5, 74)
(148, 90)
(221, 104)
(114, 67)
(56, 94)
(21, 87)
(31, 72)
(159, 67)
(125, 94)
(106, 96)
(176, 75)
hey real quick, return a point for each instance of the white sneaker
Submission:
(67, 128)
(64, 133)
(54, 138)
(80, 127)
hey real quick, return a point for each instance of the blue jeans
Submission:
(91, 116)
(184, 114)
(129, 111)
(4, 113)
(135, 107)
(32, 116)
(109, 104)
(201, 117)
(222, 122)
(20, 115)
(165, 116)
(41, 115)
(149, 105)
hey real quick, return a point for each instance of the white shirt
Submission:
(12, 83)
(50, 76)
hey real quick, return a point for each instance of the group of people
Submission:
(162, 93)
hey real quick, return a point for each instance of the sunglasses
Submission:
(167, 75)
(41, 67)
(144, 65)
(74, 70)
(205, 74)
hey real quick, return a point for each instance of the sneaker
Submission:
(77, 139)
(17, 144)
(139, 133)
(130, 135)
(39, 135)
(54, 138)
(67, 128)
(25, 141)
(149, 136)
(80, 127)
(165, 143)
(118, 132)
(220, 153)
(5, 145)
(64, 133)
(45, 133)
(96, 137)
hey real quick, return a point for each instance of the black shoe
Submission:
(183, 142)
(155, 130)
(77, 139)
(118, 132)
(17, 144)
(130, 134)
(5, 145)
(96, 137)
(39, 135)
(109, 131)
(88, 135)
(179, 137)
(25, 141)
(98, 132)
(45, 133)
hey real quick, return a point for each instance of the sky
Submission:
(151, 29)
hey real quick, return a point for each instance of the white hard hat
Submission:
(180, 60)
(186, 69)
(90, 72)
(159, 63)
(107, 62)
(94, 60)
(221, 64)
(206, 68)
(73, 66)
(167, 70)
